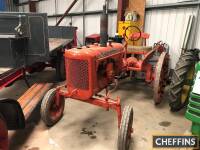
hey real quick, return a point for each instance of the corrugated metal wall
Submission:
(156, 2)
(92, 22)
(167, 25)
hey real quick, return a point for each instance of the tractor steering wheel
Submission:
(128, 29)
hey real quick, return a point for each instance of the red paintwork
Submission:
(3, 135)
(142, 35)
(91, 69)
(95, 56)
(103, 101)
(138, 65)
(110, 58)
(9, 77)
(94, 38)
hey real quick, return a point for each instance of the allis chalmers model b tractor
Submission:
(91, 69)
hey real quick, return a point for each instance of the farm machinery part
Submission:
(21, 55)
(153, 62)
(91, 69)
(182, 80)
(193, 111)
(14, 113)
(88, 71)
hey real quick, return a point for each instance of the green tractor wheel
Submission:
(181, 81)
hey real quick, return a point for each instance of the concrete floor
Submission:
(66, 134)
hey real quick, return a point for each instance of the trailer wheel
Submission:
(51, 112)
(3, 134)
(124, 135)
(180, 83)
(60, 68)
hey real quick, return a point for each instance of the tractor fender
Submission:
(12, 112)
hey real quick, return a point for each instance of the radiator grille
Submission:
(78, 73)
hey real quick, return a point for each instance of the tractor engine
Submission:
(90, 69)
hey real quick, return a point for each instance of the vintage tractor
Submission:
(91, 69)
(146, 62)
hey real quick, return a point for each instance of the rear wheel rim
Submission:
(161, 75)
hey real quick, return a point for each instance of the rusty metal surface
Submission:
(29, 100)
(55, 43)
(160, 77)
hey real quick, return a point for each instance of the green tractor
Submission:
(193, 109)
(185, 87)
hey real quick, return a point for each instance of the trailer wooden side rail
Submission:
(28, 101)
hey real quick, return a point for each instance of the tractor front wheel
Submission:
(125, 131)
(52, 111)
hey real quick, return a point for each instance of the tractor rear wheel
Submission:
(3, 134)
(182, 75)
(125, 131)
(160, 77)
(51, 112)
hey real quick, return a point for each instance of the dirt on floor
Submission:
(87, 127)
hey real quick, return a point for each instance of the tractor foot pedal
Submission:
(29, 100)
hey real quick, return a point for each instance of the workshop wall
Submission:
(92, 22)
(167, 25)
(156, 2)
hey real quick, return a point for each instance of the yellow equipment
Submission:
(123, 29)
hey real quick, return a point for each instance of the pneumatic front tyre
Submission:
(125, 131)
(52, 111)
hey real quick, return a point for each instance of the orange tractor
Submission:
(91, 69)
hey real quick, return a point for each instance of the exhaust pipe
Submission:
(104, 27)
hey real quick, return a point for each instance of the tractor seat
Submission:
(138, 49)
